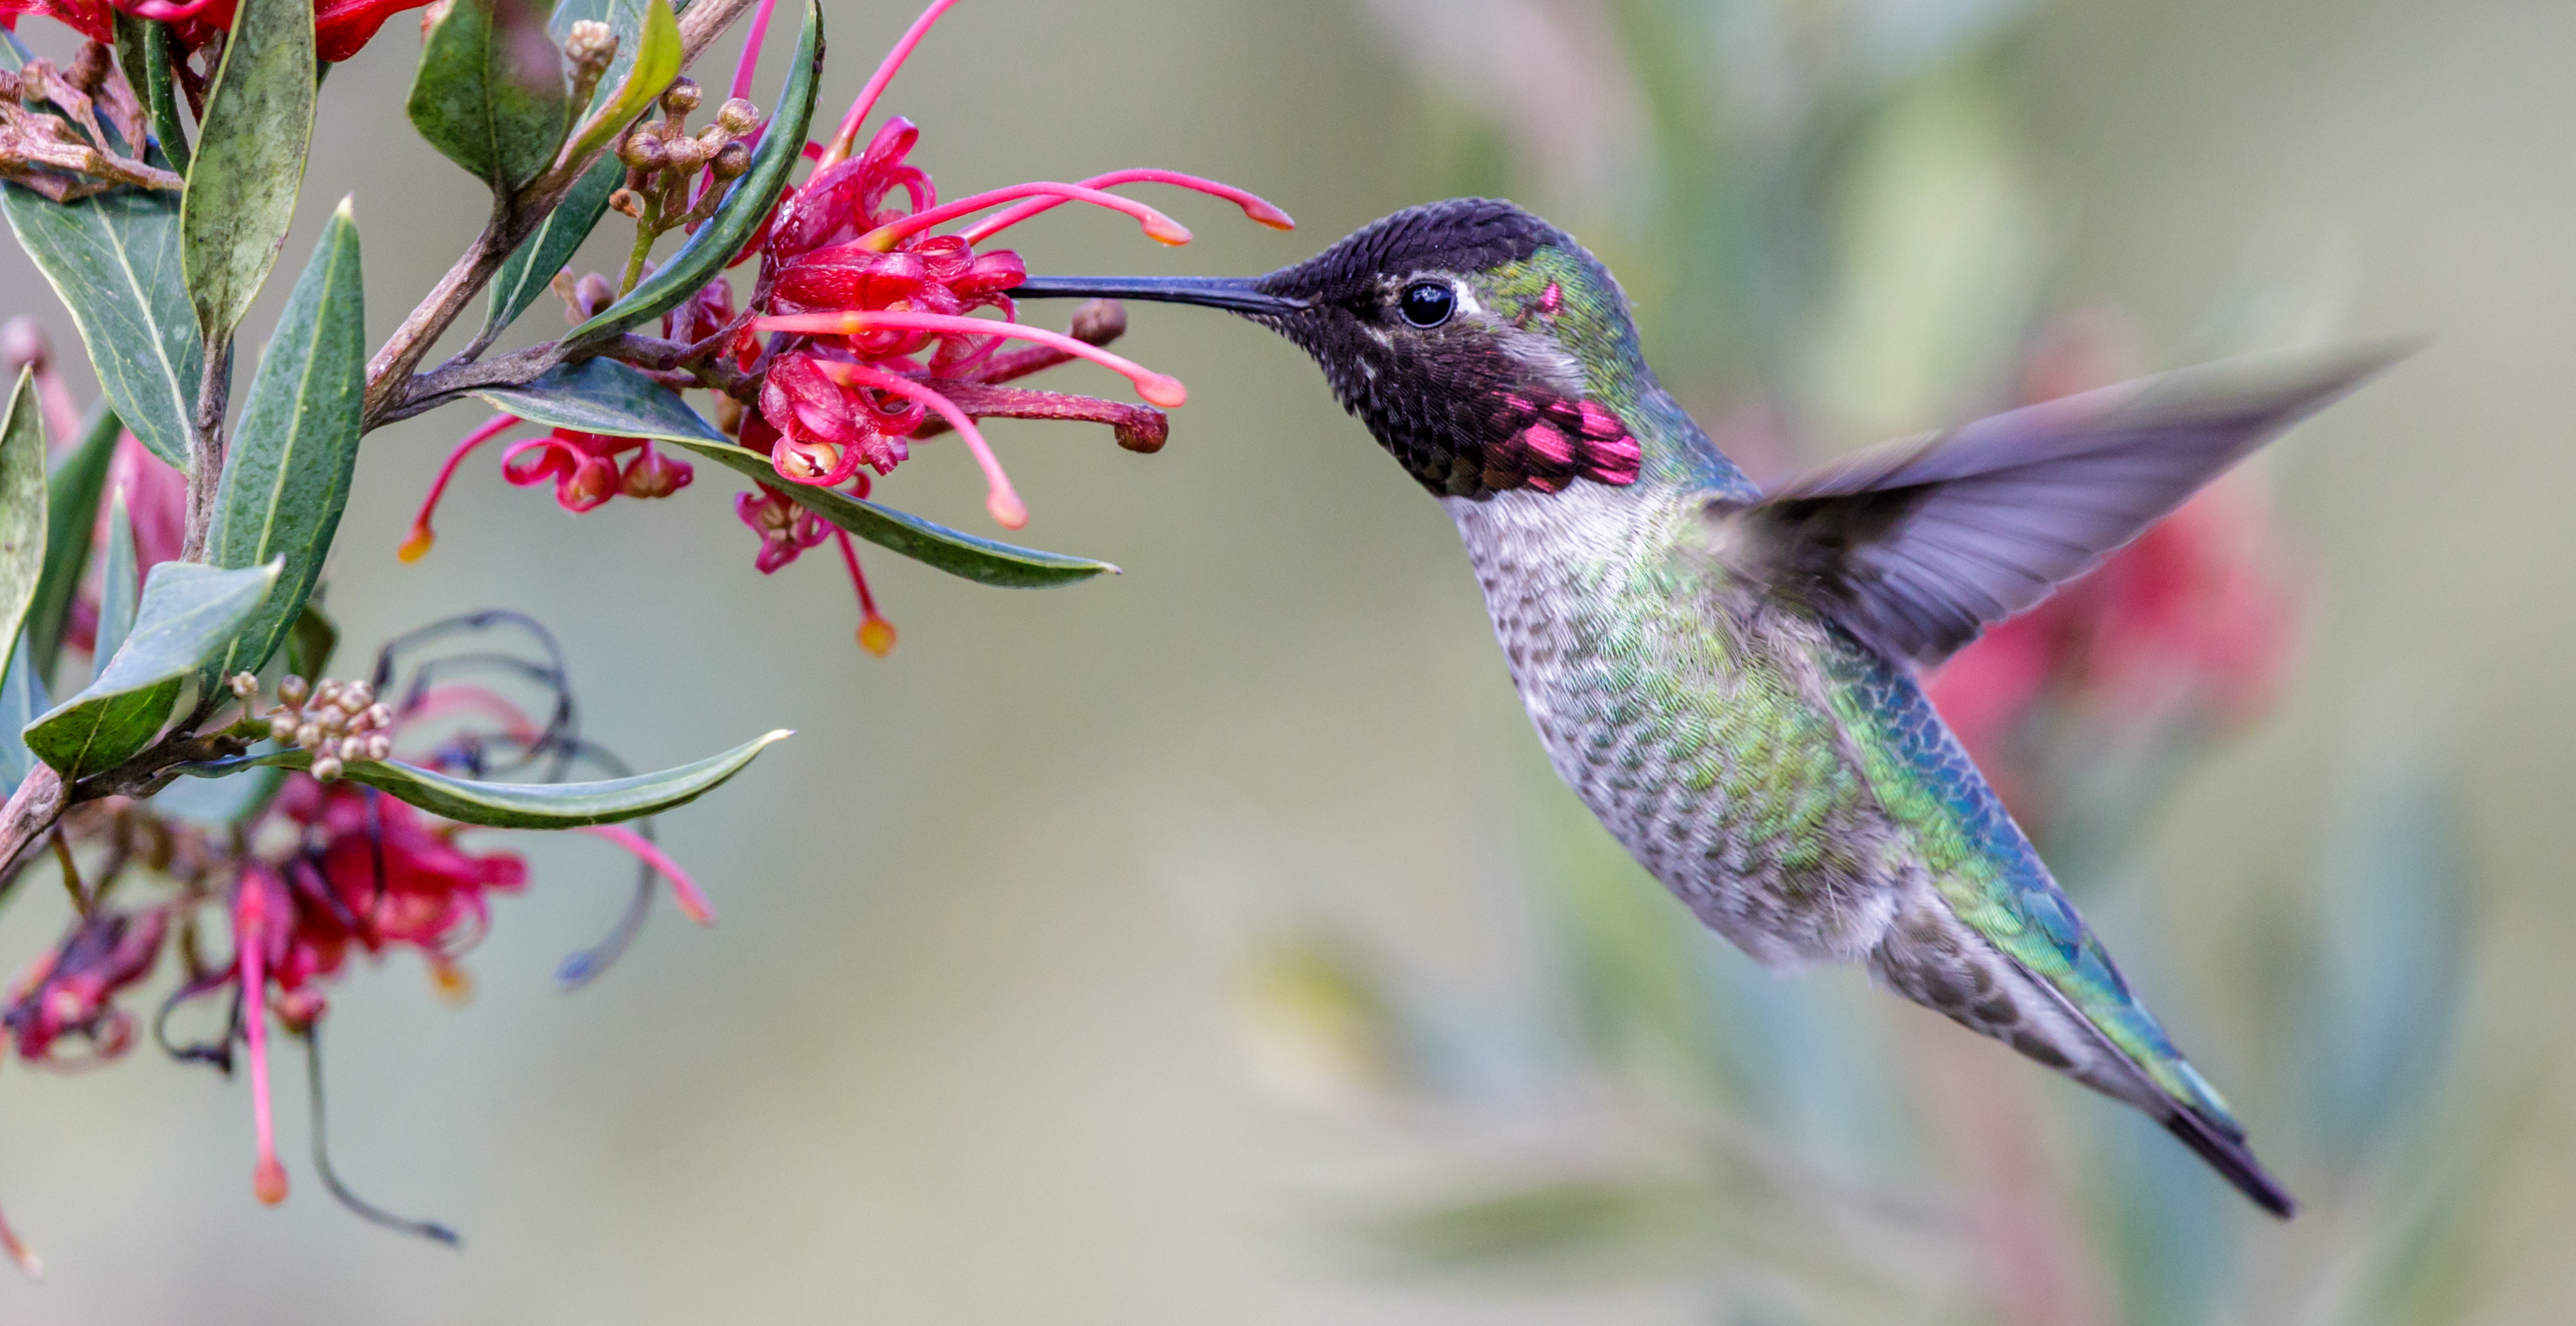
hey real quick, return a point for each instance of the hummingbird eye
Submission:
(1427, 303)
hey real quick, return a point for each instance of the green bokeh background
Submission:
(961, 1048)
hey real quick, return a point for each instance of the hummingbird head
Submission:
(1482, 347)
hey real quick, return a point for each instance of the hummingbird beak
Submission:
(1236, 293)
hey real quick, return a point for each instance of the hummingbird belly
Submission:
(1694, 720)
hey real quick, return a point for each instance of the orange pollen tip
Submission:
(1166, 230)
(1163, 391)
(269, 1181)
(417, 546)
(1008, 510)
(454, 984)
(876, 635)
(1268, 215)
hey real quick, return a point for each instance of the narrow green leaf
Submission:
(309, 645)
(532, 267)
(22, 506)
(287, 479)
(143, 50)
(249, 163)
(188, 613)
(22, 697)
(705, 254)
(656, 44)
(71, 516)
(537, 805)
(118, 587)
(113, 259)
(981, 560)
(490, 92)
(605, 396)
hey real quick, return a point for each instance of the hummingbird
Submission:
(1727, 674)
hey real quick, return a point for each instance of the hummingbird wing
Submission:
(1918, 545)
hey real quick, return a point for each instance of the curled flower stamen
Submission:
(684, 890)
(1154, 387)
(1158, 226)
(250, 935)
(422, 536)
(876, 634)
(999, 498)
(1255, 206)
(848, 135)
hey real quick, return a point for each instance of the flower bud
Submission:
(377, 716)
(380, 747)
(592, 293)
(641, 150)
(356, 695)
(244, 685)
(353, 749)
(686, 154)
(731, 161)
(281, 730)
(737, 116)
(590, 45)
(308, 735)
(326, 767)
(627, 202)
(682, 96)
(89, 68)
(291, 691)
(729, 415)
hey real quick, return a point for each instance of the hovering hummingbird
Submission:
(1727, 675)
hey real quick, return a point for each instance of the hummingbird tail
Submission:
(2225, 1149)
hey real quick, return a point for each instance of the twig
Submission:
(31, 811)
(206, 447)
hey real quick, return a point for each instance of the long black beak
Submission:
(1225, 292)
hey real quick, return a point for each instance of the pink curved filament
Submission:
(1157, 225)
(250, 925)
(1000, 498)
(684, 890)
(1254, 205)
(876, 634)
(452, 698)
(1154, 387)
(749, 64)
(848, 136)
(417, 545)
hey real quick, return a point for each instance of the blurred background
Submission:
(1213, 943)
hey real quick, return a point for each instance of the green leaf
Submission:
(287, 479)
(536, 805)
(983, 561)
(490, 93)
(113, 259)
(705, 254)
(309, 645)
(657, 57)
(249, 163)
(22, 506)
(189, 613)
(532, 267)
(71, 517)
(143, 50)
(605, 396)
(118, 587)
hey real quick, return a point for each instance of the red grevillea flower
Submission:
(68, 991)
(584, 468)
(340, 27)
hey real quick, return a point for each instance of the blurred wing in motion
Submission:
(1918, 545)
